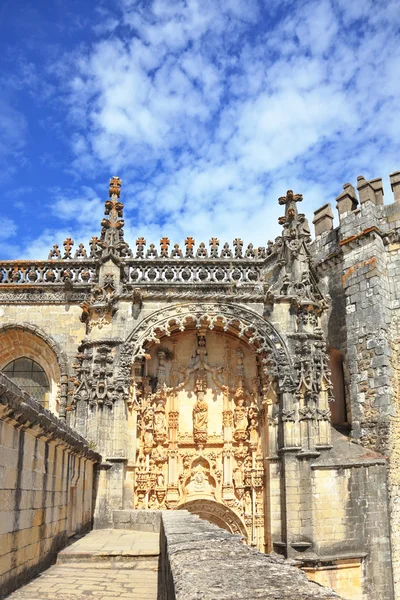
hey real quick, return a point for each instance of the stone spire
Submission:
(111, 242)
(295, 236)
(296, 279)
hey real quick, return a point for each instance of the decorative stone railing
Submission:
(47, 476)
(185, 271)
(25, 413)
(47, 273)
(81, 273)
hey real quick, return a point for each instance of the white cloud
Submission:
(8, 228)
(211, 110)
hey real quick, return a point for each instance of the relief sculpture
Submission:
(199, 442)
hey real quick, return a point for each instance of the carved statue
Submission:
(247, 502)
(238, 475)
(162, 369)
(200, 418)
(148, 437)
(160, 425)
(240, 412)
(253, 428)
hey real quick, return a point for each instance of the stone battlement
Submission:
(367, 201)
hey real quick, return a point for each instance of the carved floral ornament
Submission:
(102, 305)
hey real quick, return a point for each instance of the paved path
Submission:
(109, 564)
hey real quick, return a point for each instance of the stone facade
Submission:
(359, 267)
(201, 376)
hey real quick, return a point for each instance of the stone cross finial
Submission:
(189, 243)
(140, 244)
(112, 236)
(93, 246)
(289, 201)
(115, 187)
(290, 197)
(214, 243)
(164, 243)
(68, 243)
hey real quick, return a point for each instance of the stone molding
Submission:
(60, 354)
(247, 325)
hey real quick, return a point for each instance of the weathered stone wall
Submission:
(59, 321)
(365, 251)
(46, 486)
(199, 560)
(350, 507)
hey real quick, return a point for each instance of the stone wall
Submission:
(365, 251)
(46, 486)
(200, 560)
(350, 506)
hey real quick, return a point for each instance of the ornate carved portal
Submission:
(200, 438)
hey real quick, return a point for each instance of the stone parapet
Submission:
(200, 560)
(370, 191)
(137, 520)
(347, 200)
(395, 185)
(46, 486)
(323, 219)
(23, 411)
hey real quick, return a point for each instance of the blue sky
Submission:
(207, 110)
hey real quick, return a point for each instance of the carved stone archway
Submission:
(199, 403)
(47, 339)
(241, 321)
(29, 340)
(216, 513)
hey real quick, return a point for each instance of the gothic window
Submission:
(30, 377)
(338, 408)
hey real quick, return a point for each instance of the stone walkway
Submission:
(109, 564)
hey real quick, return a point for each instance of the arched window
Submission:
(338, 408)
(30, 377)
